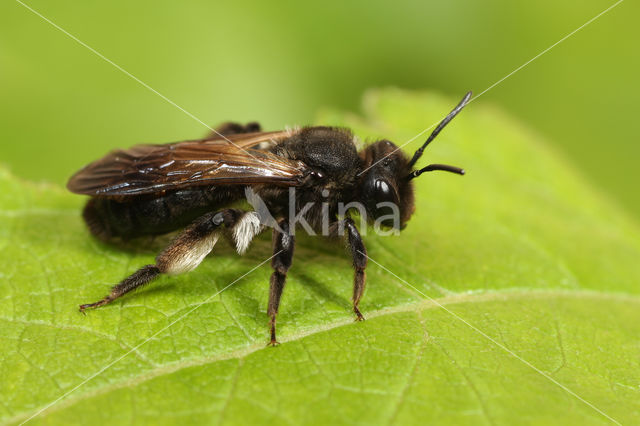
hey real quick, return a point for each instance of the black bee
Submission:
(156, 189)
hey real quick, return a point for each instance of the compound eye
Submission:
(382, 188)
(384, 191)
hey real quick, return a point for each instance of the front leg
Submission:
(283, 245)
(359, 256)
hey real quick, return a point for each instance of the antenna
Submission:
(432, 167)
(438, 129)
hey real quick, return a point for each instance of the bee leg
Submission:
(230, 128)
(184, 253)
(283, 245)
(359, 255)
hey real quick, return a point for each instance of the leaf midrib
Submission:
(459, 298)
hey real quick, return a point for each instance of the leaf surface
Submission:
(524, 256)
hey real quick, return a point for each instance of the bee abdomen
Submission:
(97, 225)
(109, 218)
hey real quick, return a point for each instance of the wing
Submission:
(145, 169)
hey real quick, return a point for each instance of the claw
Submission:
(272, 325)
(359, 316)
(92, 305)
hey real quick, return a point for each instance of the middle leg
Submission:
(283, 246)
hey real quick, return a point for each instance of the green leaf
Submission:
(523, 255)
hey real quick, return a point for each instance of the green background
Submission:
(510, 259)
(279, 62)
(523, 248)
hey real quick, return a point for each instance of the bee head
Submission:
(385, 192)
(386, 187)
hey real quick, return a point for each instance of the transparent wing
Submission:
(145, 169)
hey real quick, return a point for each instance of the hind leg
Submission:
(189, 249)
(283, 246)
(230, 128)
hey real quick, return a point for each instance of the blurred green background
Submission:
(279, 62)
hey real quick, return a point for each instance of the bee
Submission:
(150, 190)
